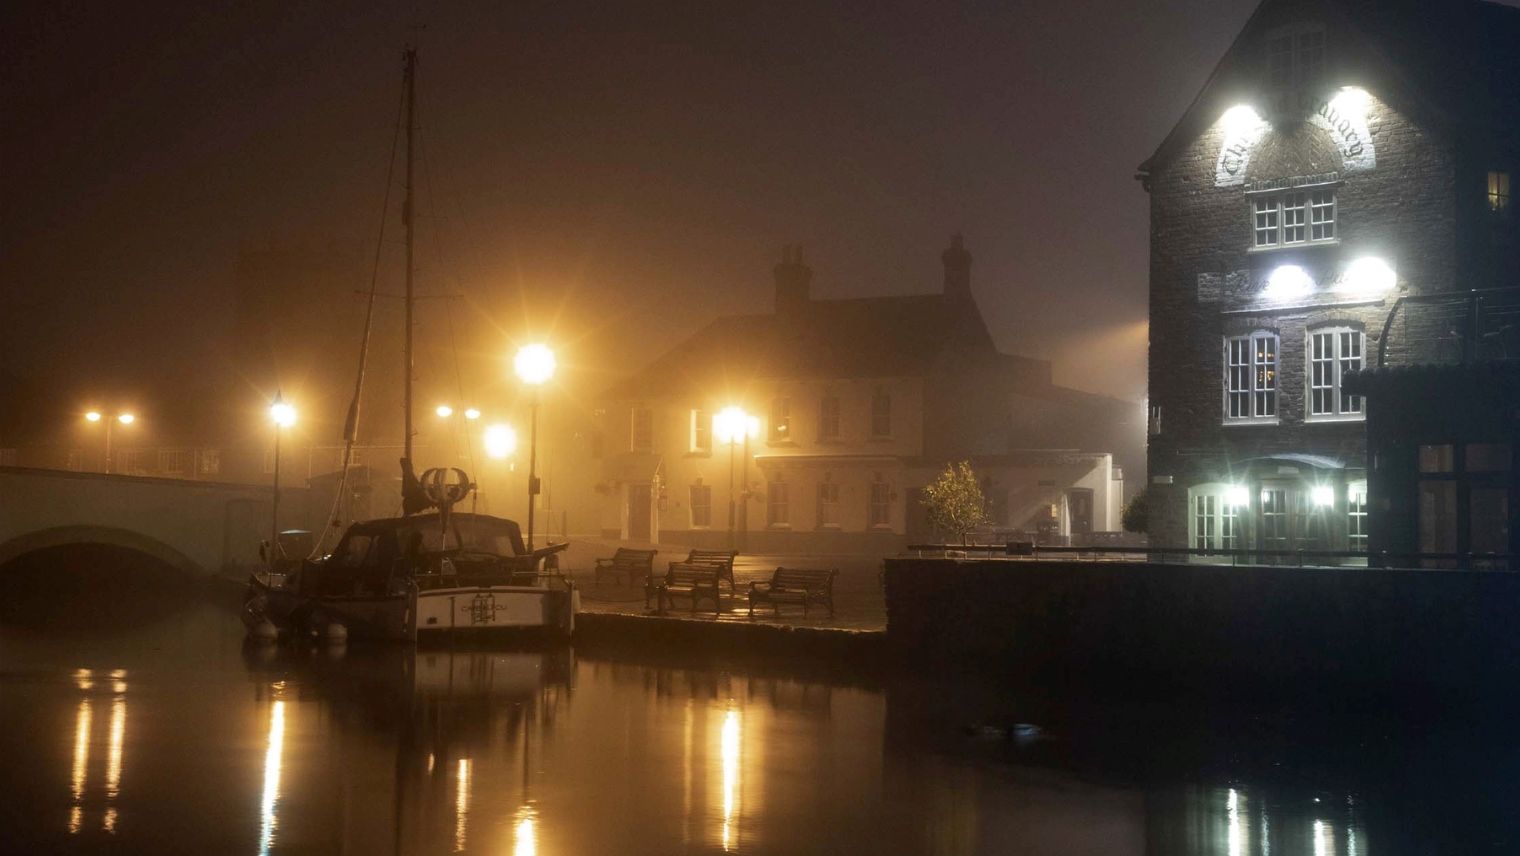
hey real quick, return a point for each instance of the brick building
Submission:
(858, 404)
(1343, 154)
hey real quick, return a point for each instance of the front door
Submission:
(640, 508)
(1079, 509)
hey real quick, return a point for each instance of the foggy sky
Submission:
(615, 175)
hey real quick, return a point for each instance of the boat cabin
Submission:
(376, 558)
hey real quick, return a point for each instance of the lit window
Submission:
(1356, 516)
(1293, 217)
(781, 419)
(1498, 192)
(701, 432)
(701, 506)
(777, 503)
(642, 433)
(828, 417)
(881, 414)
(1251, 377)
(828, 505)
(881, 504)
(1333, 353)
(210, 462)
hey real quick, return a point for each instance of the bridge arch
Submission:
(65, 536)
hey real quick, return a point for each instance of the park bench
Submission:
(723, 560)
(794, 585)
(691, 581)
(632, 564)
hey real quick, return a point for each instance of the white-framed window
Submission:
(778, 510)
(1292, 217)
(828, 417)
(828, 505)
(210, 463)
(1356, 515)
(879, 512)
(1251, 377)
(1498, 192)
(701, 432)
(701, 506)
(1216, 517)
(641, 434)
(1332, 353)
(881, 414)
(781, 419)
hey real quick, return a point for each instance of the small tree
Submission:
(1137, 513)
(955, 502)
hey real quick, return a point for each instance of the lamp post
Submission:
(123, 418)
(534, 365)
(283, 416)
(732, 425)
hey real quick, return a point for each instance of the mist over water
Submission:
(173, 735)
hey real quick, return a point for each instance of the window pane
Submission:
(828, 417)
(1293, 212)
(1488, 527)
(1266, 221)
(1356, 516)
(1438, 516)
(1488, 457)
(1322, 215)
(881, 415)
(1436, 459)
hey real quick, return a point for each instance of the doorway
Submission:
(640, 511)
(1079, 511)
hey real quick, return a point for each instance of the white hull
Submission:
(473, 608)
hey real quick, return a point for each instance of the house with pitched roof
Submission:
(1336, 202)
(854, 406)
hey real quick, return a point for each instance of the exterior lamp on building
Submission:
(1368, 275)
(1322, 495)
(1240, 120)
(733, 426)
(534, 365)
(283, 416)
(1236, 496)
(1289, 282)
(122, 418)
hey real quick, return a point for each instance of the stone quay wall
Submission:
(1202, 625)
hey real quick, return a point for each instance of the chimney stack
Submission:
(793, 282)
(957, 268)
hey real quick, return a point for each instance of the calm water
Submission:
(175, 738)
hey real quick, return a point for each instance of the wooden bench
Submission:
(794, 585)
(633, 564)
(723, 560)
(692, 581)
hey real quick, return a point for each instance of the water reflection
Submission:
(461, 803)
(116, 735)
(273, 758)
(525, 832)
(729, 751)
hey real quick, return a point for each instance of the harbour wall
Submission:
(1264, 628)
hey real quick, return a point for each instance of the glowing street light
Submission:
(123, 418)
(732, 425)
(472, 414)
(283, 415)
(444, 411)
(534, 365)
(500, 441)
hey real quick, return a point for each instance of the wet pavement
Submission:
(176, 737)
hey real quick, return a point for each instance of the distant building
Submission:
(857, 405)
(1337, 199)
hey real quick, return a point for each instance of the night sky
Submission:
(614, 176)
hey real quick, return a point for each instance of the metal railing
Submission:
(1483, 323)
(1351, 559)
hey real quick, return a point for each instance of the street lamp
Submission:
(534, 365)
(500, 442)
(283, 416)
(123, 418)
(732, 425)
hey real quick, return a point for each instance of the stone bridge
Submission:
(199, 527)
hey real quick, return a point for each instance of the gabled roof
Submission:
(1460, 58)
(862, 338)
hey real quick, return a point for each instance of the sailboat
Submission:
(430, 571)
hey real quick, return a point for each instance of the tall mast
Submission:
(406, 217)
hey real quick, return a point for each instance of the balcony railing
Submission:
(1452, 328)
(1350, 559)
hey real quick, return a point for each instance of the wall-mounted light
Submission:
(1288, 282)
(1236, 496)
(1368, 275)
(1240, 120)
(1322, 495)
(1350, 101)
